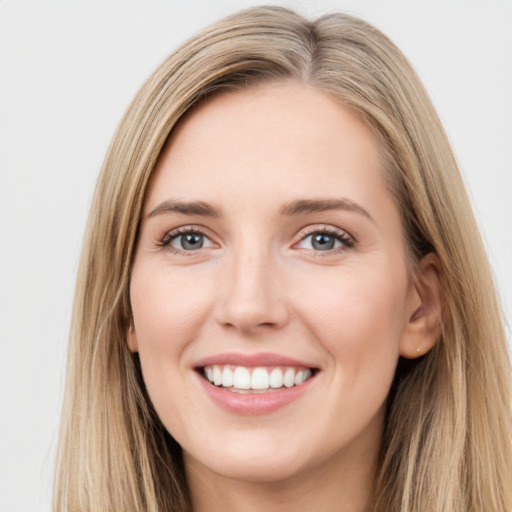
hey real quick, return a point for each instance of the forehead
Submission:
(266, 141)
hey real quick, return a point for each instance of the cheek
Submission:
(359, 320)
(168, 308)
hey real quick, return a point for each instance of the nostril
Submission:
(252, 319)
(250, 298)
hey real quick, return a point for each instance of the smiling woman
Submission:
(282, 299)
(280, 281)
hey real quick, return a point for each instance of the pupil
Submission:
(323, 242)
(192, 241)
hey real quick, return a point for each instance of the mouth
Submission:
(255, 380)
(255, 384)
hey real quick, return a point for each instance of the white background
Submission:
(67, 72)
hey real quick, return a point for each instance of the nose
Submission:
(252, 295)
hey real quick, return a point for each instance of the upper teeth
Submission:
(260, 378)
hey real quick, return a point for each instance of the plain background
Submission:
(67, 72)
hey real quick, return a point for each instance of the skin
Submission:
(259, 285)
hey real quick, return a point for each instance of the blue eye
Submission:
(325, 241)
(187, 241)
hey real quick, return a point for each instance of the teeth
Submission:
(227, 377)
(217, 376)
(260, 379)
(276, 378)
(289, 378)
(242, 379)
(302, 376)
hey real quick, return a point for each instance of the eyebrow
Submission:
(186, 208)
(305, 206)
(294, 208)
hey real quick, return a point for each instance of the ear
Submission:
(131, 337)
(424, 305)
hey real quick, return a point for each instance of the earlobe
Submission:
(131, 338)
(424, 324)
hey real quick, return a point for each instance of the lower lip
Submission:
(253, 403)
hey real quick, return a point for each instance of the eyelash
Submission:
(346, 240)
(175, 233)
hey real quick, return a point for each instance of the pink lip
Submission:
(252, 404)
(250, 360)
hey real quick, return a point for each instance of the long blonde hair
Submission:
(446, 444)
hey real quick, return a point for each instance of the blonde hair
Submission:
(446, 444)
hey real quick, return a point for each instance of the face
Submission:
(270, 292)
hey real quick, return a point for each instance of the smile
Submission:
(259, 383)
(242, 379)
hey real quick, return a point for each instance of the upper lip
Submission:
(253, 360)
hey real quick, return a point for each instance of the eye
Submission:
(325, 240)
(187, 240)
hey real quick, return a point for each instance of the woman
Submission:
(282, 299)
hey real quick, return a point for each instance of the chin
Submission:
(258, 459)
(270, 469)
